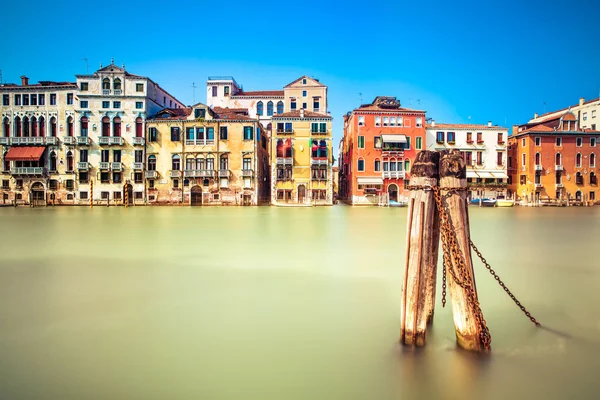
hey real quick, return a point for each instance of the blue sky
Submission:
(488, 60)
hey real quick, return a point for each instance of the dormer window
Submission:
(304, 81)
(199, 113)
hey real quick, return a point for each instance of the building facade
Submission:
(303, 93)
(301, 159)
(380, 142)
(553, 159)
(587, 113)
(206, 156)
(484, 150)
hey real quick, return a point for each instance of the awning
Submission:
(472, 174)
(394, 138)
(484, 174)
(24, 153)
(370, 181)
(500, 175)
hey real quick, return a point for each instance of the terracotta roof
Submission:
(175, 113)
(307, 77)
(260, 93)
(296, 114)
(373, 107)
(239, 114)
(40, 84)
(563, 109)
(464, 126)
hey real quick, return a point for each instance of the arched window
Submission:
(26, 127)
(361, 165)
(70, 161)
(199, 163)
(151, 163)
(116, 127)
(106, 84)
(558, 159)
(53, 161)
(270, 108)
(578, 160)
(259, 108)
(84, 126)
(280, 151)
(592, 160)
(176, 162)
(105, 126)
(593, 178)
(280, 107)
(323, 149)
(407, 165)
(578, 178)
(288, 148)
(34, 126)
(537, 158)
(70, 126)
(6, 127)
(315, 149)
(53, 127)
(139, 127)
(393, 164)
(42, 124)
(117, 84)
(210, 163)
(18, 127)
(377, 165)
(224, 162)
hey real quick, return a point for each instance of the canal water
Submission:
(284, 303)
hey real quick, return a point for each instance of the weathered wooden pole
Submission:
(471, 329)
(418, 286)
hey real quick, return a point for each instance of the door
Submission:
(38, 195)
(393, 192)
(301, 193)
(196, 196)
(128, 194)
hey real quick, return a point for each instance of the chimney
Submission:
(581, 101)
(490, 123)
(535, 115)
(302, 113)
(433, 123)
(24, 81)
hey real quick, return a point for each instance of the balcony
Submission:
(393, 174)
(51, 140)
(138, 141)
(315, 176)
(83, 166)
(539, 167)
(116, 140)
(151, 174)
(247, 172)
(470, 141)
(70, 140)
(223, 173)
(83, 140)
(4, 140)
(117, 92)
(104, 140)
(137, 166)
(539, 185)
(105, 92)
(27, 171)
(285, 131)
(284, 160)
(392, 151)
(27, 140)
(558, 167)
(199, 142)
(207, 173)
(318, 161)
(104, 166)
(559, 185)
(116, 166)
(319, 132)
(175, 173)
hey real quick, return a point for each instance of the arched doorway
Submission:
(393, 192)
(196, 196)
(578, 195)
(128, 194)
(37, 194)
(301, 193)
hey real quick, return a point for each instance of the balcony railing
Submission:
(246, 172)
(138, 166)
(538, 167)
(138, 141)
(83, 140)
(285, 177)
(116, 166)
(199, 142)
(117, 92)
(105, 92)
(558, 167)
(27, 171)
(27, 140)
(392, 151)
(285, 131)
(393, 174)
(83, 166)
(284, 160)
(223, 173)
(104, 140)
(52, 140)
(151, 174)
(318, 161)
(116, 140)
(104, 166)
(539, 185)
(175, 173)
(319, 132)
(559, 185)
(4, 140)
(318, 177)
(70, 140)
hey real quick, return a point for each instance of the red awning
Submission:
(24, 153)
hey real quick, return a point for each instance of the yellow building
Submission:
(203, 156)
(301, 159)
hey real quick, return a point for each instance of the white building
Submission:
(484, 150)
(587, 112)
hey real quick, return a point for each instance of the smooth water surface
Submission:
(284, 303)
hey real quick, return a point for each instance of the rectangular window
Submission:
(175, 134)
(407, 145)
(70, 184)
(226, 90)
(479, 137)
(377, 165)
(42, 99)
(538, 141)
(450, 137)
(104, 177)
(400, 121)
(69, 98)
(106, 104)
(585, 116)
(6, 100)
(593, 142)
(139, 87)
(304, 93)
(25, 99)
(139, 105)
(34, 100)
(83, 195)
(223, 131)
(523, 159)
(5, 184)
(377, 142)
(419, 122)
(558, 142)
(104, 156)
(392, 121)
(214, 91)
(480, 158)
(304, 106)
(523, 179)
(469, 158)
(323, 127)
(116, 104)
(500, 138)
(293, 104)
(499, 158)
(314, 127)
(523, 142)
(199, 113)
(419, 143)
(249, 133)
(407, 122)
(138, 177)
(83, 104)
(117, 177)
(377, 121)
(469, 137)
(83, 177)
(386, 121)
(592, 196)
(361, 165)
(440, 137)
(361, 142)
(152, 135)
(117, 155)
(578, 142)
(316, 105)
(52, 99)
(361, 120)
(83, 86)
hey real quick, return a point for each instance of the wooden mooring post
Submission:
(418, 287)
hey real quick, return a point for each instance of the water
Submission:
(283, 303)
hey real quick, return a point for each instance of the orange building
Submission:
(380, 142)
(553, 159)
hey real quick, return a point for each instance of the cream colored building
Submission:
(202, 156)
(587, 113)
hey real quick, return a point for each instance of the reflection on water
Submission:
(283, 303)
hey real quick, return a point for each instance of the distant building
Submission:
(202, 156)
(303, 93)
(301, 159)
(554, 158)
(587, 113)
(484, 150)
(380, 142)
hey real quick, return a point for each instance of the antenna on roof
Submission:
(86, 64)
(0, 77)
(194, 91)
(544, 107)
(360, 94)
